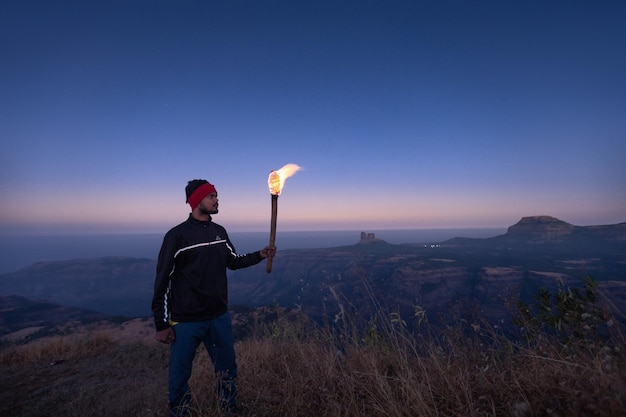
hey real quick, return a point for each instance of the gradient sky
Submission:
(402, 114)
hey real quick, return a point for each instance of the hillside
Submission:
(292, 368)
(115, 286)
(79, 362)
(23, 318)
(457, 277)
(23, 321)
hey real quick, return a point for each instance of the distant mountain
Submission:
(458, 277)
(541, 228)
(112, 285)
(547, 229)
(34, 319)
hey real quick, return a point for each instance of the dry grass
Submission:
(86, 376)
(293, 368)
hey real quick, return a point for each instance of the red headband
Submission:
(198, 195)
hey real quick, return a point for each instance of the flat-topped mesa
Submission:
(369, 238)
(541, 228)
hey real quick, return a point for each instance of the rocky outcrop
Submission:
(551, 229)
(369, 238)
(541, 228)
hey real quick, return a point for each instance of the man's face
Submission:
(209, 204)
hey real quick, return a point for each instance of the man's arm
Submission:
(236, 261)
(160, 299)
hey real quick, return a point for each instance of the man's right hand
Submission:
(166, 336)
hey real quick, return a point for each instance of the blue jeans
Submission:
(217, 337)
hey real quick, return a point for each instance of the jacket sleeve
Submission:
(165, 267)
(236, 261)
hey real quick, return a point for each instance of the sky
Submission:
(401, 114)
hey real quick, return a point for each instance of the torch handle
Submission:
(268, 267)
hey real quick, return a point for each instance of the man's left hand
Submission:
(268, 251)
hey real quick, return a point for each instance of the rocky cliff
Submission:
(541, 228)
(547, 228)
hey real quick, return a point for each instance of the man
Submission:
(190, 302)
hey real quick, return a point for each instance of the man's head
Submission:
(202, 196)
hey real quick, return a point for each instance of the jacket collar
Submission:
(195, 221)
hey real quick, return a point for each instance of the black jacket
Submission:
(191, 282)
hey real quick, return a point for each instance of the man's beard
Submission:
(204, 210)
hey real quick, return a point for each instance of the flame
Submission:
(276, 180)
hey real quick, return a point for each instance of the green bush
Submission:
(573, 315)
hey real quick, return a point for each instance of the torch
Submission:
(276, 181)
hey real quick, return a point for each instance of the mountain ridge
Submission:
(550, 228)
(448, 278)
